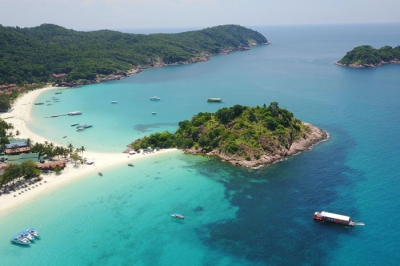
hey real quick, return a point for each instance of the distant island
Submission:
(50, 53)
(367, 56)
(241, 135)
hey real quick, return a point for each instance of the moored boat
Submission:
(214, 100)
(333, 218)
(26, 235)
(113, 101)
(33, 232)
(20, 240)
(155, 98)
(74, 124)
(178, 216)
(75, 113)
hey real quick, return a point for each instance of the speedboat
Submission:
(153, 113)
(75, 113)
(33, 232)
(80, 128)
(178, 216)
(155, 98)
(83, 126)
(20, 240)
(26, 235)
(113, 101)
(74, 124)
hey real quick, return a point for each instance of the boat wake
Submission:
(359, 223)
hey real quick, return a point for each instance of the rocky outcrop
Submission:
(369, 65)
(313, 136)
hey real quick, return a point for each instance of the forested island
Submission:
(240, 135)
(367, 56)
(50, 53)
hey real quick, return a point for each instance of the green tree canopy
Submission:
(248, 132)
(366, 55)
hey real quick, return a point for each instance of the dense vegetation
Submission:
(366, 55)
(29, 55)
(248, 132)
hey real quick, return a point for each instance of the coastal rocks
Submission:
(382, 63)
(115, 76)
(313, 136)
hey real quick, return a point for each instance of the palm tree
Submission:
(82, 149)
(28, 142)
(75, 157)
(70, 148)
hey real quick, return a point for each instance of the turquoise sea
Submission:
(233, 216)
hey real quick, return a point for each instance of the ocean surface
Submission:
(233, 216)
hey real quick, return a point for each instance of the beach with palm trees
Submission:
(75, 157)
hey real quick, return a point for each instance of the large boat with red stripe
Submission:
(335, 218)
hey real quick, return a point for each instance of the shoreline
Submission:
(19, 117)
(202, 57)
(314, 136)
(382, 63)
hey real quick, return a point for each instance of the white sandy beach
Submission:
(19, 117)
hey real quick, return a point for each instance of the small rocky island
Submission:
(367, 56)
(241, 135)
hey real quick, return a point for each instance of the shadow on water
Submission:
(274, 222)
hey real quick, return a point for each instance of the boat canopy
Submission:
(335, 216)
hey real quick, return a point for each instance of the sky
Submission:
(139, 14)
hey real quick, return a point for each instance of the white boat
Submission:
(26, 235)
(74, 124)
(83, 127)
(214, 100)
(155, 98)
(178, 216)
(33, 232)
(75, 113)
(153, 113)
(20, 240)
(113, 101)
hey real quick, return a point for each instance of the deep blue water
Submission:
(234, 216)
